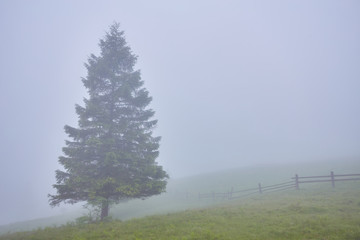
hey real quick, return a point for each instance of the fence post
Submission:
(332, 179)
(260, 191)
(296, 182)
(231, 193)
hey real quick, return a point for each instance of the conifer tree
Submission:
(112, 154)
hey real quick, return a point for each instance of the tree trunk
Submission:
(104, 209)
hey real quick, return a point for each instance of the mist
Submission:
(234, 84)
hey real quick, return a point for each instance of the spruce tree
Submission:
(111, 155)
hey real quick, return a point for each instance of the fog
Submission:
(234, 83)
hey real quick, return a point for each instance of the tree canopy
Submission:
(112, 153)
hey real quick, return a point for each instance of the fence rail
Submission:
(293, 184)
(329, 178)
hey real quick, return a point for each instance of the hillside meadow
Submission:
(316, 211)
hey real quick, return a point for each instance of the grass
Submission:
(314, 212)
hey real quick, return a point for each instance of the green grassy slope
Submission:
(317, 212)
(182, 194)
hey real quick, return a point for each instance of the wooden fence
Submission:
(293, 184)
(330, 178)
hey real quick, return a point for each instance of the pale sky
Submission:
(234, 83)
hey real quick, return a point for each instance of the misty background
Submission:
(234, 83)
